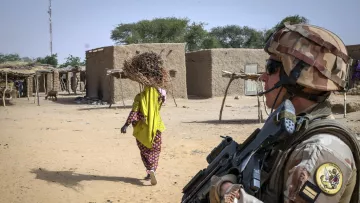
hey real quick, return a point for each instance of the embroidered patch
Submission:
(309, 192)
(329, 178)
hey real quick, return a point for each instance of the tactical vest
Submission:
(272, 179)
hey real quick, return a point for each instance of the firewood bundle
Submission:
(147, 68)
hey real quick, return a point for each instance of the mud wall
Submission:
(56, 81)
(198, 73)
(97, 61)
(233, 60)
(173, 55)
(354, 51)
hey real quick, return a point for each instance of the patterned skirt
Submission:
(150, 157)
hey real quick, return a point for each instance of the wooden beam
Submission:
(37, 90)
(223, 102)
(245, 76)
(344, 104)
(6, 86)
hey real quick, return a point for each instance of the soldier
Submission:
(321, 163)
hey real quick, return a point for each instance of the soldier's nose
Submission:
(264, 77)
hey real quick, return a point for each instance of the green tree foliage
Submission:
(9, 57)
(50, 60)
(72, 61)
(294, 19)
(158, 30)
(163, 30)
(195, 36)
(234, 36)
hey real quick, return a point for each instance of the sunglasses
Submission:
(272, 66)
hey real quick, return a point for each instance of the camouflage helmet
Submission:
(323, 54)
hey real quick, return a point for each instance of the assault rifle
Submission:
(243, 160)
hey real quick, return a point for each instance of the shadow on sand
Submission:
(234, 121)
(72, 180)
(61, 100)
(105, 107)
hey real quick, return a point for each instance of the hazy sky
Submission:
(79, 25)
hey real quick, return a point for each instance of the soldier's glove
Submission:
(123, 129)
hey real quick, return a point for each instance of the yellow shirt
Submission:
(148, 104)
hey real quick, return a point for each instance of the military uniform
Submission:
(321, 162)
(321, 168)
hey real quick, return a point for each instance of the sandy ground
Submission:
(66, 152)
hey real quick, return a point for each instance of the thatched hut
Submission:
(29, 73)
(72, 78)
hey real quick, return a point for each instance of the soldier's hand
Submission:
(232, 192)
(232, 197)
(123, 129)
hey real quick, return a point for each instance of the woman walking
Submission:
(145, 114)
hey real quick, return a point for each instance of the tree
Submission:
(174, 30)
(234, 36)
(164, 30)
(158, 30)
(50, 60)
(210, 42)
(72, 61)
(293, 19)
(195, 36)
(9, 57)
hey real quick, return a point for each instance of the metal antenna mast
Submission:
(49, 11)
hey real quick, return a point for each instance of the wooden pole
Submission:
(45, 89)
(27, 86)
(37, 90)
(223, 102)
(111, 92)
(63, 86)
(344, 104)
(6, 86)
(122, 92)
(260, 114)
(172, 94)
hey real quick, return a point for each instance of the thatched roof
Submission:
(24, 68)
(74, 69)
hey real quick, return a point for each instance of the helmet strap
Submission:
(295, 90)
(276, 98)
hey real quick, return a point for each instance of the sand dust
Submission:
(66, 152)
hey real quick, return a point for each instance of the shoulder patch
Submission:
(309, 192)
(329, 178)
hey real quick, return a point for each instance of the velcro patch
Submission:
(309, 192)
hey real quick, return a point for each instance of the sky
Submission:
(80, 25)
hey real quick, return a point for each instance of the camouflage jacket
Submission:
(320, 168)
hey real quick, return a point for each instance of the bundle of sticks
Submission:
(147, 68)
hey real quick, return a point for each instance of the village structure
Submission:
(193, 74)
(61, 127)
